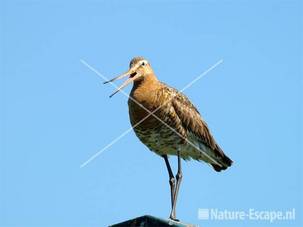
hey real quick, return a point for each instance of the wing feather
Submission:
(192, 122)
(186, 119)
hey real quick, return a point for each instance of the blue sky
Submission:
(55, 112)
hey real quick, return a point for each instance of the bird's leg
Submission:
(179, 177)
(172, 181)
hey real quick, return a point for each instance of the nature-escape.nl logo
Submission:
(244, 215)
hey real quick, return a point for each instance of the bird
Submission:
(167, 122)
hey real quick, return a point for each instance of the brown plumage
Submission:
(168, 123)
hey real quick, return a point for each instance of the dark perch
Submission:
(150, 221)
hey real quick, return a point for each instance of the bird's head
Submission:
(139, 69)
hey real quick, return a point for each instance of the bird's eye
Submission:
(143, 63)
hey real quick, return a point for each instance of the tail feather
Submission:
(225, 163)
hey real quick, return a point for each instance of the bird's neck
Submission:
(148, 80)
(144, 88)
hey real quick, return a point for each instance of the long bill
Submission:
(132, 76)
(117, 77)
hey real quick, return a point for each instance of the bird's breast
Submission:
(149, 116)
(141, 105)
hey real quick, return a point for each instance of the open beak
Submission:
(132, 75)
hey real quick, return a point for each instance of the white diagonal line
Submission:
(150, 113)
(202, 75)
(106, 147)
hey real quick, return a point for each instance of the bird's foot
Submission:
(173, 218)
